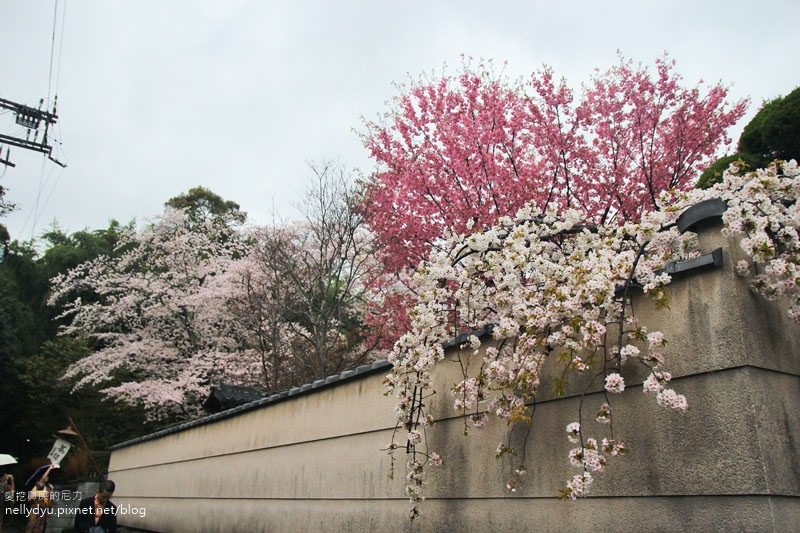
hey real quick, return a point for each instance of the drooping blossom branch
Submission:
(763, 211)
(557, 292)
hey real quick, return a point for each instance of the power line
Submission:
(38, 212)
(52, 189)
(29, 120)
(61, 155)
(52, 50)
(61, 45)
(38, 196)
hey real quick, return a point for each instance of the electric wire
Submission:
(60, 46)
(62, 156)
(52, 51)
(57, 144)
(43, 182)
(52, 189)
(35, 209)
(38, 194)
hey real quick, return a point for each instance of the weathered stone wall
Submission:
(313, 461)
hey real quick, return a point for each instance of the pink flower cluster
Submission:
(461, 153)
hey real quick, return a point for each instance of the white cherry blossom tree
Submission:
(555, 291)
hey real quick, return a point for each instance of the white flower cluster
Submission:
(588, 457)
(573, 432)
(763, 211)
(615, 383)
(666, 397)
(673, 400)
(579, 485)
(604, 414)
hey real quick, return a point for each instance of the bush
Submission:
(713, 174)
(774, 133)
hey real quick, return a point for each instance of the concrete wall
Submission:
(314, 462)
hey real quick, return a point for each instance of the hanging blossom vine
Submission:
(763, 211)
(554, 290)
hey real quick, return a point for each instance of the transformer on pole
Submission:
(37, 123)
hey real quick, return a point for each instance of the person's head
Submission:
(106, 490)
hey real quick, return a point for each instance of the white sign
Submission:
(60, 449)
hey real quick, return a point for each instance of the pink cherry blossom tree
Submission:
(161, 336)
(455, 154)
(194, 299)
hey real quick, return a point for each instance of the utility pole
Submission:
(37, 123)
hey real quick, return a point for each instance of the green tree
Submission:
(43, 400)
(774, 133)
(202, 205)
(33, 398)
(713, 174)
(5, 206)
(68, 251)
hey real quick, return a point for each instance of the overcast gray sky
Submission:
(157, 96)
